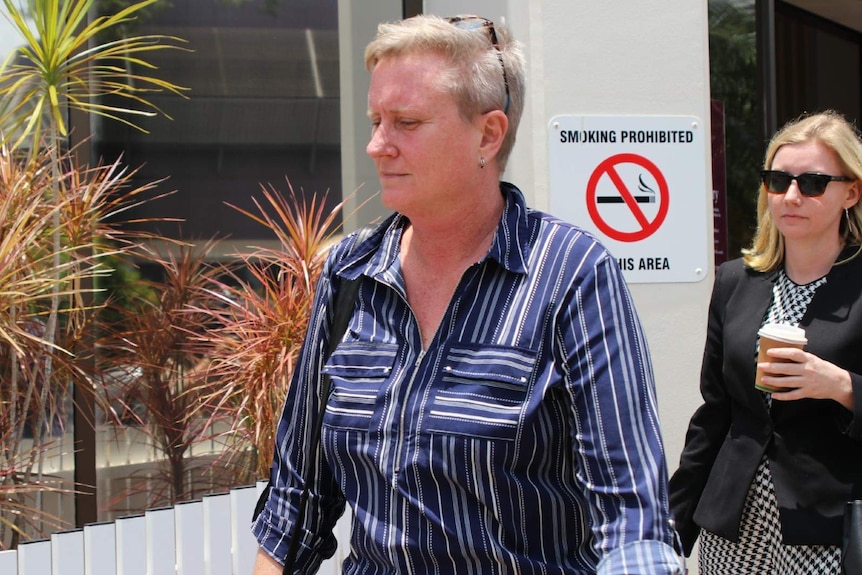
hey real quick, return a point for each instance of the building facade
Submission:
(277, 97)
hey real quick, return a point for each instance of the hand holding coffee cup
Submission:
(776, 335)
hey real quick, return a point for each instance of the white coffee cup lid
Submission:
(783, 332)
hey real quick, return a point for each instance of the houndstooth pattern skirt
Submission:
(760, 550)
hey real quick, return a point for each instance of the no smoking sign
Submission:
(646, 206)
(639, 184)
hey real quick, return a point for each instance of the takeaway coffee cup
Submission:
(777, 335)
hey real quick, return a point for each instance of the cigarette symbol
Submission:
(647, 195)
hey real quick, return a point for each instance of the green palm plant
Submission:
(62, 66)
(72, 59)
(70, 62)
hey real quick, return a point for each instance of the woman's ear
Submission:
(853, 194)
(494, 125)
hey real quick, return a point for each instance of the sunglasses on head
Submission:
(475, 23)
(810, 184)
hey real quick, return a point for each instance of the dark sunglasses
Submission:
(810, 184)
(475, 23)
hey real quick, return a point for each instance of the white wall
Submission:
(613, 57)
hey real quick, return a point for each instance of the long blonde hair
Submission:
(831, 129)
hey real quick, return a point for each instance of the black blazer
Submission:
(814, 446)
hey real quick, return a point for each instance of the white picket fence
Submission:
(210, 536)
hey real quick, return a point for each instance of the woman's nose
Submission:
(793, 193)
(379, 144)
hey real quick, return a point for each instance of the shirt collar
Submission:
(510, 247)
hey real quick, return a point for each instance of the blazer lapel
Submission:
(753, 300)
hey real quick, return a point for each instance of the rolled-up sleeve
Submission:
(642, 558)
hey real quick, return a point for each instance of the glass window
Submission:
(733, 88)
(817, 64)
(263, 108)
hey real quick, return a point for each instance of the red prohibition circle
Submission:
(608, 167)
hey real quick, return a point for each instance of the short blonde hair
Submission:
(475, 77)
(831, 129)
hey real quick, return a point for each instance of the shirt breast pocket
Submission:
(358, 372)
(482, 392)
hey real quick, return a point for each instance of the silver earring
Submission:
(482, 162)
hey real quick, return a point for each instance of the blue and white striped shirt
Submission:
(524, 439)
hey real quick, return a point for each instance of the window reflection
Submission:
(733, 83)
(263, 106)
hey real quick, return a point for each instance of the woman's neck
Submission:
(804, 263)
(463, 237)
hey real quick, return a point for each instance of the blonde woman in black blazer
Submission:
(764, 477)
